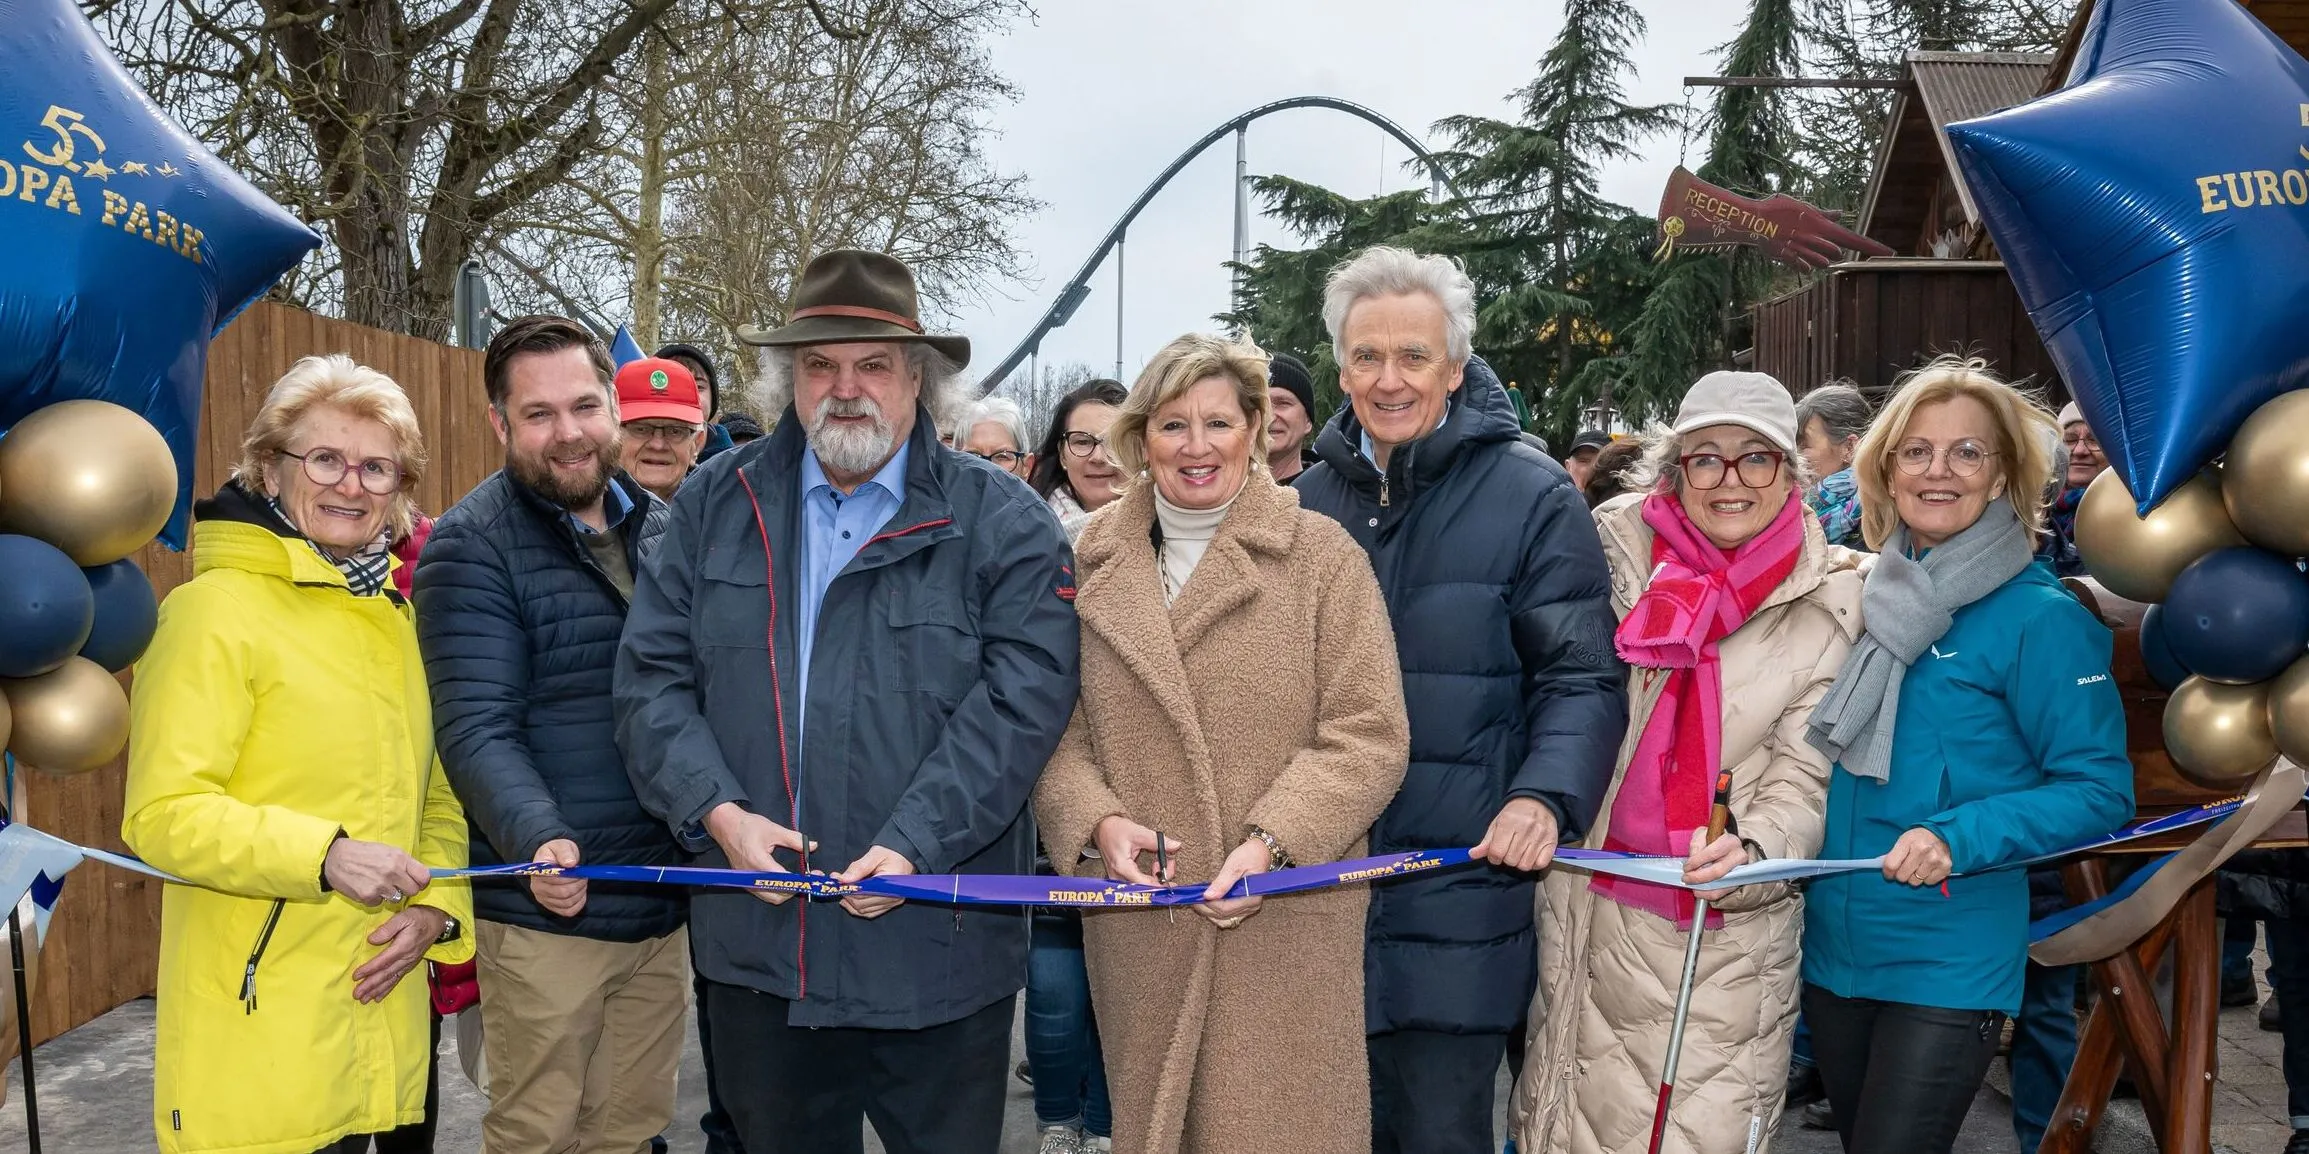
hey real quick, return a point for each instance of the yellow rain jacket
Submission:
(273, 709)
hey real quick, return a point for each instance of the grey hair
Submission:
(1842, 410)
(1384, 270)
(1002, 411)
(1659, 470)
(944, 392)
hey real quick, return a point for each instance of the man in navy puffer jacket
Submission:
(1496, 584)
(521, 598)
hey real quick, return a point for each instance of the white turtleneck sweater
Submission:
(1187, 534)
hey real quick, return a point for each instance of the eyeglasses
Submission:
(2075, 441)
(1965, 458)
(668, 432)
(1084, 444)
(1705, 471)
(326, 467)
(1003, 457)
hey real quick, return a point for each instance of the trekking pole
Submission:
(1719, 816)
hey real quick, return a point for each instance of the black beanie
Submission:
(1290, 374)
(713, 379)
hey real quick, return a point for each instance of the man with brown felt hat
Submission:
(903, 615)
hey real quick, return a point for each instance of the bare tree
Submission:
(1038, 393)
(748, 141)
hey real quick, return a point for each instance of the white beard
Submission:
(851, 449)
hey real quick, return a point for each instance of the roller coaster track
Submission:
(1070, 297)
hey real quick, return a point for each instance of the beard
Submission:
(566, 492)
(852, 449)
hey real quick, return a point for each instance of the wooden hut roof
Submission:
(1939, 89)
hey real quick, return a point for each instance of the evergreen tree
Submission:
(1544, 231)
(1681, 331)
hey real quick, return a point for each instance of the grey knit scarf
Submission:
(1908, 604)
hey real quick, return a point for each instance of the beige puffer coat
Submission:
(1608, 974)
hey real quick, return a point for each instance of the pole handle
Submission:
(1720, 813)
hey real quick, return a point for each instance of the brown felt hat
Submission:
(851, 295)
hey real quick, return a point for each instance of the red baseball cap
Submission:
(656, 387)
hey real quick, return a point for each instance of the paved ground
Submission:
(95, 1089)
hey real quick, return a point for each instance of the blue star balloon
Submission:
(2154, 214)
(127, 244)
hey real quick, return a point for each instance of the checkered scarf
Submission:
(366, 570)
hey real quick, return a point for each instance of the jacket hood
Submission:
(1824, 573)
(237, 529)
(1479, 413)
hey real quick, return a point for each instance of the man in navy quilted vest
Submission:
(853, 655)
(1496, 583)
(521, 596)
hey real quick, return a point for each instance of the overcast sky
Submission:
(1110, 92)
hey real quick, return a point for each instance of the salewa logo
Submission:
(1937, 653)
(2093, 680)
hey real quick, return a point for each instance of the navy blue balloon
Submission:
(128, 244)
(2152, 214)
(46, 607)
(126, 614)
(2238, 615)
(2157, 651)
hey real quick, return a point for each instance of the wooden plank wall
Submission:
(1872, 321)
(103, 944)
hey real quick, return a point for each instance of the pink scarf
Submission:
(1696, 597)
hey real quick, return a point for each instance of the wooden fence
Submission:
(103, 945)
(1872, 320)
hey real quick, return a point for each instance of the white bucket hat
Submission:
(1754, 401)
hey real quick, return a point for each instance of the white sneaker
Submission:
(1091, 1142)
(1061, 1140)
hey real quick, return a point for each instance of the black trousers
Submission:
(793, 1090)
(1433, 1093)
(1899, 1077)
(721, 1136)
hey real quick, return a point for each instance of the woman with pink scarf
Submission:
(1735, 615)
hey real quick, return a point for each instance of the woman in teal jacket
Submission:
(1974, 726)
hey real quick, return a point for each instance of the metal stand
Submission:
(24, 1028)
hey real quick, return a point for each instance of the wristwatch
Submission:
(450, 931)
(1276, 858)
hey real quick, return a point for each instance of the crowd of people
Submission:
(1184, 634)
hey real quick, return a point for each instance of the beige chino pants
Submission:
(582, 1038)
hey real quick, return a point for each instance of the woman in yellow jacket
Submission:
(281, 762)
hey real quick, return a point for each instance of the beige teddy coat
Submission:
(1268, 695)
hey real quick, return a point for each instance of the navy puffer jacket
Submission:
(1496, 583)
(520, 627)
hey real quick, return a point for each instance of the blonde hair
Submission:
(2023, 461)
(1181, 365)
(335, 380)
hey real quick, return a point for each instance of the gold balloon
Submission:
(2218, 735)
(88, 477)
(2266, 475)
(2137, 557)
(2289, 711)
(71, 719)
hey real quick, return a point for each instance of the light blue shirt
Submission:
(614, 506)
(834, 528)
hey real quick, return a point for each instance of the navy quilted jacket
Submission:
(519, 629)
(1496, 583)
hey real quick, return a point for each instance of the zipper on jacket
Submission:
(249, 974)
(1382, 490)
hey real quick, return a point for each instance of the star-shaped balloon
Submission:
(127, 244)
(2154, 214)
